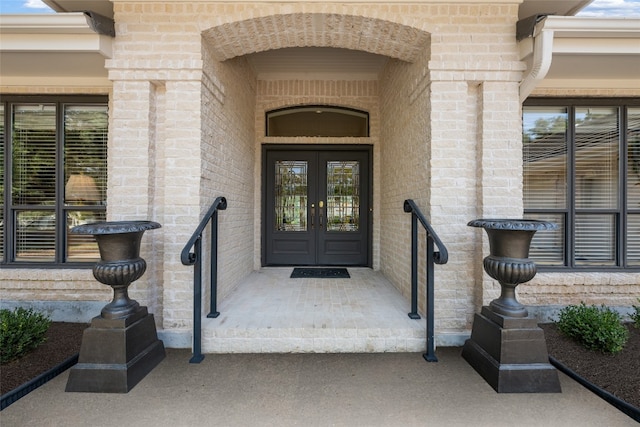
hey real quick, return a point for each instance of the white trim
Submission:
(62, 81)
(66, 23)
(599, 84)
(588, 27)
(89, 43)
(593, 45)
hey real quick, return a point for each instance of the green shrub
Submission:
(21, 330)
(596, 328)
(635, 316)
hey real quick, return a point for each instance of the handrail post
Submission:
(433, 258)
(197, 303)
(430, 355)
(213, 306)
(195, 259)
(414, 268)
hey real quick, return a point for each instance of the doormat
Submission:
(320, 273)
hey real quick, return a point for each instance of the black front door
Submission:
(316, 205)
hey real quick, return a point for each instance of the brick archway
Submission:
(316, 30)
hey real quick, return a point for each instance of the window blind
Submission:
(545, 157)
(85, 154)
(34, 181)
(597, 151)
(85, 166)
(548, 248)
(2, 145)
(34, 154)
(633, 186)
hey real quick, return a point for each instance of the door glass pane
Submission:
(633, 149)
(595, 240)
(545, 157)
(597, 153)
(291, 195)
(343, 196)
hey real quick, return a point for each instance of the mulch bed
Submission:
(618, 374)
(63, 341)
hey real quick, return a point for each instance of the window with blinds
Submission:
(2, 187)
(581, 171)
(57, 179)
(633, 186)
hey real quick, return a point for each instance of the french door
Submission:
(316, 205)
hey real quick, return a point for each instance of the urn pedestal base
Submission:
(510, 354)
(116, 354)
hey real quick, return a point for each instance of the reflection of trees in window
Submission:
(34, 154)
(85, 149)
(343, 198)
(52, 142)
(291, 195)
(573, 176)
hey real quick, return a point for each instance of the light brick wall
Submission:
(405, 157)
(187, 123)
(229, 102)
(449, 114)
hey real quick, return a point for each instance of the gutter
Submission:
(541, 48)
(68, 23)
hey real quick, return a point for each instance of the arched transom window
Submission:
(317, 120)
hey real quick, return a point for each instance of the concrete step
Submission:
(271, 313)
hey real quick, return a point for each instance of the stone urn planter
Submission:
(508, 261)
(507, 347)
(121, 346)
(120, 263)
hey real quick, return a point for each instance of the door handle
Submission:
(313, 214)
(321, 205)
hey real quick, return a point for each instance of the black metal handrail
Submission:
(438, 257)
(195, 258)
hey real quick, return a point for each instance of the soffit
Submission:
(551, 7)
(53, 49)
(593, 52)
(527, 8)
(103, 7)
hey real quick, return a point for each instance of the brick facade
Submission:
(187, 125)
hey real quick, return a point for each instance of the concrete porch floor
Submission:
(272, 313)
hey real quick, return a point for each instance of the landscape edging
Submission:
(618, 403)
(26, 388)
